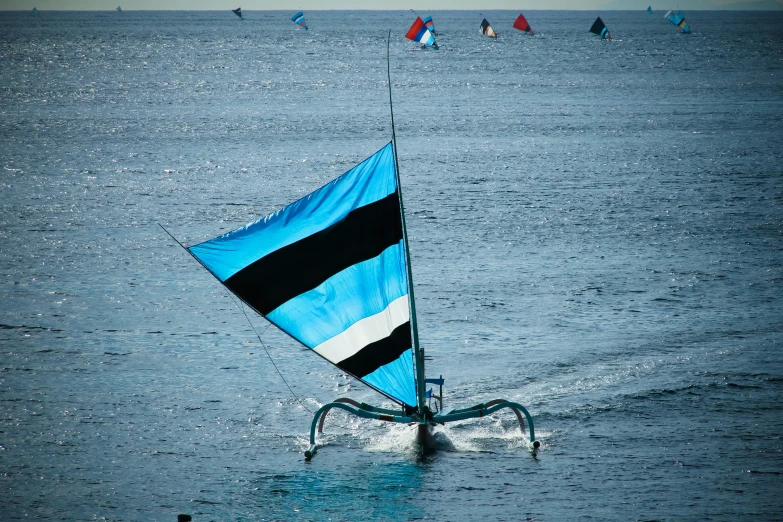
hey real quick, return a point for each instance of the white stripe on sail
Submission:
(366, 331)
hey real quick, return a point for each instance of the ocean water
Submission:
(596, 232)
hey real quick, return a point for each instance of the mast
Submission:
(417, 351)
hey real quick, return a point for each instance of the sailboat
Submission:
(119, 9)
(649, 9)
(521, 24)
(34, 12)
(600, 29)
(238, 12)
(678, 19)
(486, 29)
(333, 271)
(299, 20)
(418, 32)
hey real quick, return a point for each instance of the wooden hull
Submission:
(424, 435)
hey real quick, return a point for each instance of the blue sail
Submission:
(299, 19)
(330, 270)
(430, 24)
(678, 19)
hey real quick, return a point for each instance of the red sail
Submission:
(414, 33)
(522, 24)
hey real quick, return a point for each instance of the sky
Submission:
(422, 5)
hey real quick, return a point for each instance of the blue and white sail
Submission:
(299, 19)
(330, 270)
(238, 12)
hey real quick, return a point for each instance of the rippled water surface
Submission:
(596, 232)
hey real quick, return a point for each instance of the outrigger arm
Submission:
(367, 411)
(360, 410)
(480, 410)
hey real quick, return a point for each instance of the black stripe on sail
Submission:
(294, 269)
(379, 353)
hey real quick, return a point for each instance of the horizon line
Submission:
(26, 10)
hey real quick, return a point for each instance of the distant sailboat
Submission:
(649, 9)
(600, 29)
(430, 25)
(119, 9)
(333, 271)
(486, 29)
(34, 12)
(299, 20)
(419, 33)
(679, 20)
(521, 24)
(238, 12)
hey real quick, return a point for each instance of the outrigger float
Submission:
(408, 416)
(332, 270)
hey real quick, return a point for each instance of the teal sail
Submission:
(330, 270)
(649, 9)
(678, 19)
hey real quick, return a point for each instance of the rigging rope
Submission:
(242, 308)
(239, 304)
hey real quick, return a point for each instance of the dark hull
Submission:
(424, 436)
